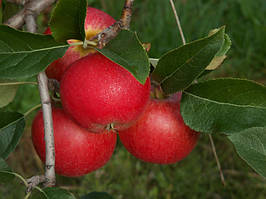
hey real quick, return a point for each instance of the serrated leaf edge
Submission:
(223, 103)
(221, 30)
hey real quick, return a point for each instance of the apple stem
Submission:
(85, 44)
(76, 43)
(89, 44)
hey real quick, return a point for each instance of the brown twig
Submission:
(34, 181)
(112, 31)
(28, 15)
(48, 129)
(217, 160)
(18, 19)
(19, 2)
(30, 18)
(126, 14)
(178, 22)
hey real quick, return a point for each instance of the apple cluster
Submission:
(100, 99)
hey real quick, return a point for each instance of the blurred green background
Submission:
(197, 176)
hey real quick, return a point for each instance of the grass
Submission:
(196, 176)
(154, 21)
(124, 176)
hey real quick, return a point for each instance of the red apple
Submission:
(160, 135)
(77, 151)
(99, 93)
(96, 21)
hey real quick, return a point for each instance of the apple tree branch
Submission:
(18, 20)
(30, 20)
(27, 16)
(112, 31)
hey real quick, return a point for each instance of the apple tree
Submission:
(230, 106)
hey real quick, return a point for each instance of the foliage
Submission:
(24, 54)
(70, 26)
(224, 106)
(177, 69)
(235, 107)
(11, 129)
(126, 50)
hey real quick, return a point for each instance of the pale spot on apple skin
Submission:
(91, 33)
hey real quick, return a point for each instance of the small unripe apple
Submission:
(95, 21)
(77, 151)
(160, 135)
(99, 94)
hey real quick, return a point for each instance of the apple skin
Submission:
(160, 135)
(77, 151)
(97, 92)
(95, 21)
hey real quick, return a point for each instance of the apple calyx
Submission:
(111, 127)
(157, 92)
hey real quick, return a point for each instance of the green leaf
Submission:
(224, 106)
(97, 195)
(24, 54)
(52, 193)
(225, 47)
(221, 54)
(127, 51)
(8, 93)
(250, 145)
(67, 21)
(11, 128)
(178, 68)
(5, 172)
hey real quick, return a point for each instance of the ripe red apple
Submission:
(95, 21)
(99, 93)
(160, 135)
(77, 151)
